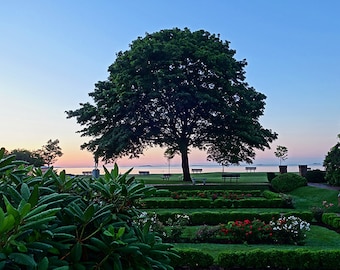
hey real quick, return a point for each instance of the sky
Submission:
(53, 52)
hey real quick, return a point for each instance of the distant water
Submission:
(176, 169)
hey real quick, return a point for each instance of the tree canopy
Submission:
(31, 157)
(175, 89)
(332, 165)
(50, 152)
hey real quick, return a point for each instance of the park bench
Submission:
(196, 170)
(144, 172)
(230, 176)
(251, 169)
(166, 176)
(87, 173)
(197, 180)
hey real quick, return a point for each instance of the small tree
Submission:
(50, 152)
(332, 165)
(281, 153)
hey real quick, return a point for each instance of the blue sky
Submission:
(53, 52)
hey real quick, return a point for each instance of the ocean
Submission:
(176, 169)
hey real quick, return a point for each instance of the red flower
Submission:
(247, 221)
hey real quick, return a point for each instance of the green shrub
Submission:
(331, 219)
(49, 221)
(280, 259)
(270, 194)
(259, 203)
(270, 176)
(287, 182)
(316, 176)
(222, 203)
(162, 193)
(192, 258)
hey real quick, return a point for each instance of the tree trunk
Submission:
(185, 165)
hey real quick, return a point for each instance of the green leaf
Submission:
(7, 224)
(66, 228)
(36, 224)
(55, 197)
(89, 212)
(43, 264)
(76, 252)
(2, 216)
(43, 214)
(24, 208)
(120, 232)
(34, 197)
(6, 161)
(21, 247)
(40, 246)
(10, 209)
(6, 168)
(22, 259)
(36, 210)
(99, 244)
(25, 191)
(115, 171)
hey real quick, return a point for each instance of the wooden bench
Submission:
(250, 169)
(230, 176)
(144, 172)
(87, 173)
(196, 180)
(196, 170)
(166, 176)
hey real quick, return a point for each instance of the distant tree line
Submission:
(47, 155)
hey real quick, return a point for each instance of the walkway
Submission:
(325, 186)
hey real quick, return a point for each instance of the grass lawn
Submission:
(211, 178)
(305, 198)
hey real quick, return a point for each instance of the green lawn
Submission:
(211, 178)
(305, 198)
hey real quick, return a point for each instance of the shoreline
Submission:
(178, 170)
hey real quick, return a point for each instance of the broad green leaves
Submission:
(51, 221)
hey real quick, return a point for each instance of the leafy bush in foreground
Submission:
(50, 221)
(287, 182)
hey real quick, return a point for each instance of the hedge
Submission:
(191, 203)
(280, 259)
(259, 259)
(192, 258)
(331, 219)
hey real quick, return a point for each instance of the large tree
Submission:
(179, 90)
